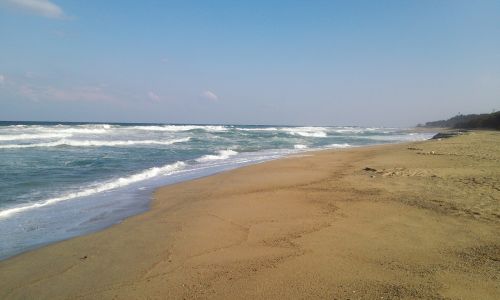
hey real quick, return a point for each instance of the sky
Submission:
(366, 63)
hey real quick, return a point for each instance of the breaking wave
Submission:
(344, 145)
(98, 188)
(306, 131)
(76, 130)
(299, 146)
(25, 136)
(177, 128)
(222, 154)
(258, 129)
(95, 143)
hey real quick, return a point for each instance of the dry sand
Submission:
(422, 222)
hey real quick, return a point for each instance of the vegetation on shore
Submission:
(472, 121)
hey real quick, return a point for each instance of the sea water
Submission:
(60, 180)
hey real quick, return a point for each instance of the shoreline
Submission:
(150, 196)
(151, 199)
(208, 231)
(144, 204)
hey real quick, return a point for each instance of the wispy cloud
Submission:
(44, 8)
(209, 95)
(83, 93)
(79, 93)
(34, 87)
(153, 96)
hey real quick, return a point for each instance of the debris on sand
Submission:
(445, 135)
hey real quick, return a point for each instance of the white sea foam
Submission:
(349, 130)
(105, 126)
(222, 154)
(306, 131)
(76, 130)
(302, 131)
(98, 188)
(25, 136)
(258, 129)
(310, 134)
(345, 145)
(83, 129)
(96, 143)
(355, 130)
(299, 146)
(176, 128)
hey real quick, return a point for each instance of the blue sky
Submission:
(375, 63)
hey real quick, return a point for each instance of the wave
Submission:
(301, 131)
(177, 128)
(223, 154)
(350, 130)
(95, 143)
(355, 130)
(81, 129)
(258, 129)
(345, 145)
(105, 126)
(63, 128)
(75, 130)
(98, 188)
(25, 136)
(299, 146)
(306, 131)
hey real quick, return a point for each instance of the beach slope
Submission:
(418, 220)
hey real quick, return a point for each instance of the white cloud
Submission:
(79, 93)
(43, 8)
(28, 89)
(164, 60)
(153, 96)
(209, 95)
(82, 93)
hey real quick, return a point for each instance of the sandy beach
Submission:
(405, 221)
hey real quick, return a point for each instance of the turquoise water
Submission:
(59, 180)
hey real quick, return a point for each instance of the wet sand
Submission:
(418, 220)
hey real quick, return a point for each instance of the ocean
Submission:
(61, 180)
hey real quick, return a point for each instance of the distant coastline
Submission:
(472, 121)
